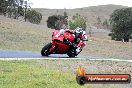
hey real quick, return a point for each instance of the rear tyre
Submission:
(46, 50)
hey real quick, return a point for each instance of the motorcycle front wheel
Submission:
(46, 50)
(72, 53)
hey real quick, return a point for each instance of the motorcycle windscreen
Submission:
(59, 38)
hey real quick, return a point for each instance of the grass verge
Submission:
(57, 73)
(27, 74)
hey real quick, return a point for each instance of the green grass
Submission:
(28, 74)
(56, 73)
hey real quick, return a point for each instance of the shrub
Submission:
(121, 22)
(77, 21)
(33, 16)
(56, 21)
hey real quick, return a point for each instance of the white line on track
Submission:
(119, 60)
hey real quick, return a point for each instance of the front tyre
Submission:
(72, 53)
(46, 50)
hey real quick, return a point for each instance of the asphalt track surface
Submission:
(20, 55)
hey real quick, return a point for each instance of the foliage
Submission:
(99, 22)
(121, 22)
(65, 14)
(77, 21)
(52, 21)
(56, 21)
(17, 8)
(105, 24)
(33, 16)
(3, 6)
(12, 8)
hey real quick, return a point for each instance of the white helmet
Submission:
(79, 30)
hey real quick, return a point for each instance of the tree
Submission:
(99, 22)
(52, 21)
(34, 16)
(65, 14)
(15, 8)
(121, 22)
(105, 24)
(77, 21)
(3, 7)
(12, 8)
(65, 18)
(57, 21)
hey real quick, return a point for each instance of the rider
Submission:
(79, 34)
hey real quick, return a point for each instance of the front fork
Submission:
(81, 44)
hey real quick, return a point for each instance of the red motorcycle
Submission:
(63, 44)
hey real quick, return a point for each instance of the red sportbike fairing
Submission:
(63, 44)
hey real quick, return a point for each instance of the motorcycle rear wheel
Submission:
(45, 50)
